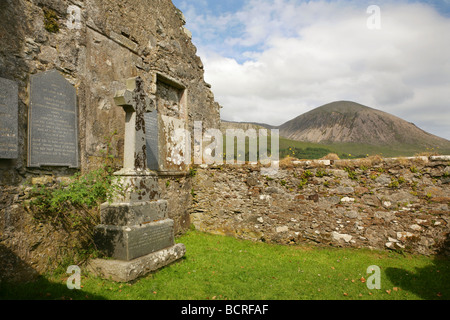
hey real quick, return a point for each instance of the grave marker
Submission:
(152, 140)
(9, 112)
(136, 230)
(53, 122)
(136, 104)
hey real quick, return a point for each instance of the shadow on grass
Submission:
(429, 283)
(19, 281)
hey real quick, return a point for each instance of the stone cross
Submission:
(136, 103)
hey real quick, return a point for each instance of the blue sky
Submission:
(272, 60)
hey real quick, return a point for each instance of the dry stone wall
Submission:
(397, 204)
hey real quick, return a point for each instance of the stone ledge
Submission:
(127, 271)
(126, 172)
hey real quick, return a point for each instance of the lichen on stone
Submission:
(50, 20)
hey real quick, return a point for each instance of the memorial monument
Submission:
(135, 229)
(8, 119)
(53, 122)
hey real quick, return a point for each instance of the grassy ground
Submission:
(222, 268)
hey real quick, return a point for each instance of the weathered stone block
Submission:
(371, 200)
(126, 271)
(137, 187)
(131, 242)
(343, 190)
(440, 158)
(133, 214)
(43, 180)
(337, 237)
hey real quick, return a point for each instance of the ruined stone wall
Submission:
(399, 204)
(115, 41)
(109, 42)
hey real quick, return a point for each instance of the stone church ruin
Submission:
(62, 64)
(97, 90)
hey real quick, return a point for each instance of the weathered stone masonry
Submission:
(117, 40)
(114, 41)
(399, 204)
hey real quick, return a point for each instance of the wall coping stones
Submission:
(440, 158)
(332, 163)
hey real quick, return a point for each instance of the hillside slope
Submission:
(349, 122)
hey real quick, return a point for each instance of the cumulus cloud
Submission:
(273, 60)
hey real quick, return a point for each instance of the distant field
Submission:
(354, 150)
(310, 151)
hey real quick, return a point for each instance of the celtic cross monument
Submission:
(136, 233)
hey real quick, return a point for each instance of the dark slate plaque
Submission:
(152, 138)
(150, 238)
(53, 122)
(9, 112)
(128, 243)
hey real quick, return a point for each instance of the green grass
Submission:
(219, 268)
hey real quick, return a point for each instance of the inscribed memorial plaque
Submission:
(128, 243)
(53, 122)
(9, 104)
(152, 139)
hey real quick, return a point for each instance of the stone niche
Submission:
(166, 129)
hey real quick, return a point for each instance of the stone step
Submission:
(126, 271)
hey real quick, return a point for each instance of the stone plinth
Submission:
(137, 186)
(133, 214)
(126, 271)
(135, 230)
(131, 242)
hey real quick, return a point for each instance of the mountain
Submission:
(350, 122)
(348, 128)
(224, 125)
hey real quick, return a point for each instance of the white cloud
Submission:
(303, 55)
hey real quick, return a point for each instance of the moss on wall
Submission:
(51, 20)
